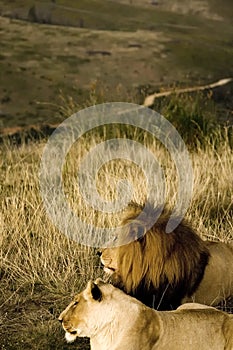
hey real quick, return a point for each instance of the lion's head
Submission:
(158, 268)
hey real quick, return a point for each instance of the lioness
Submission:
(115, 321)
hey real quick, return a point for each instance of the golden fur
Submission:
(164, 270)
(113, 320)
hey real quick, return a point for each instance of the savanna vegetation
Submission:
(41, 268)
(58, 57)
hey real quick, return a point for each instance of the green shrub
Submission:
(193, 115)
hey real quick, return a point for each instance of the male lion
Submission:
(115, 321)
(164, 270)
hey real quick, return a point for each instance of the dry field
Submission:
(73, 54)
(40, 268)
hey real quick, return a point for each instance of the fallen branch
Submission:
(149, 100)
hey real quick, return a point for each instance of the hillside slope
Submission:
(64, 47)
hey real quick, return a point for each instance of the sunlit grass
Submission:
(35, 258)
(34, 251)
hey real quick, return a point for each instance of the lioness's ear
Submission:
(96, 292)
(92, 292)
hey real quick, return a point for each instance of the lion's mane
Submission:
(156, 267)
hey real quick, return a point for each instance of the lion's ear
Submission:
(137, 232)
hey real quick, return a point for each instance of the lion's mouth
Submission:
(109, 270)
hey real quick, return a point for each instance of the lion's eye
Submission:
(75, 303)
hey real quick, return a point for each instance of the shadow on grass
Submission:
(43, 336)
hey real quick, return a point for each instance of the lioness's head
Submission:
(89, 312)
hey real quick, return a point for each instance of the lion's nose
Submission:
(99, 253)
(60, 319)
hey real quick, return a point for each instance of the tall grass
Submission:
(34, 252)
(38, 260)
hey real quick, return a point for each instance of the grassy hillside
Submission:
(124, 49)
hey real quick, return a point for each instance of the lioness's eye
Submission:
(75, 303)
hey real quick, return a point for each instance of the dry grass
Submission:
(40, 266)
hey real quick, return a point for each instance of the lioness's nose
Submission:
(60, 319)
(99, 253)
